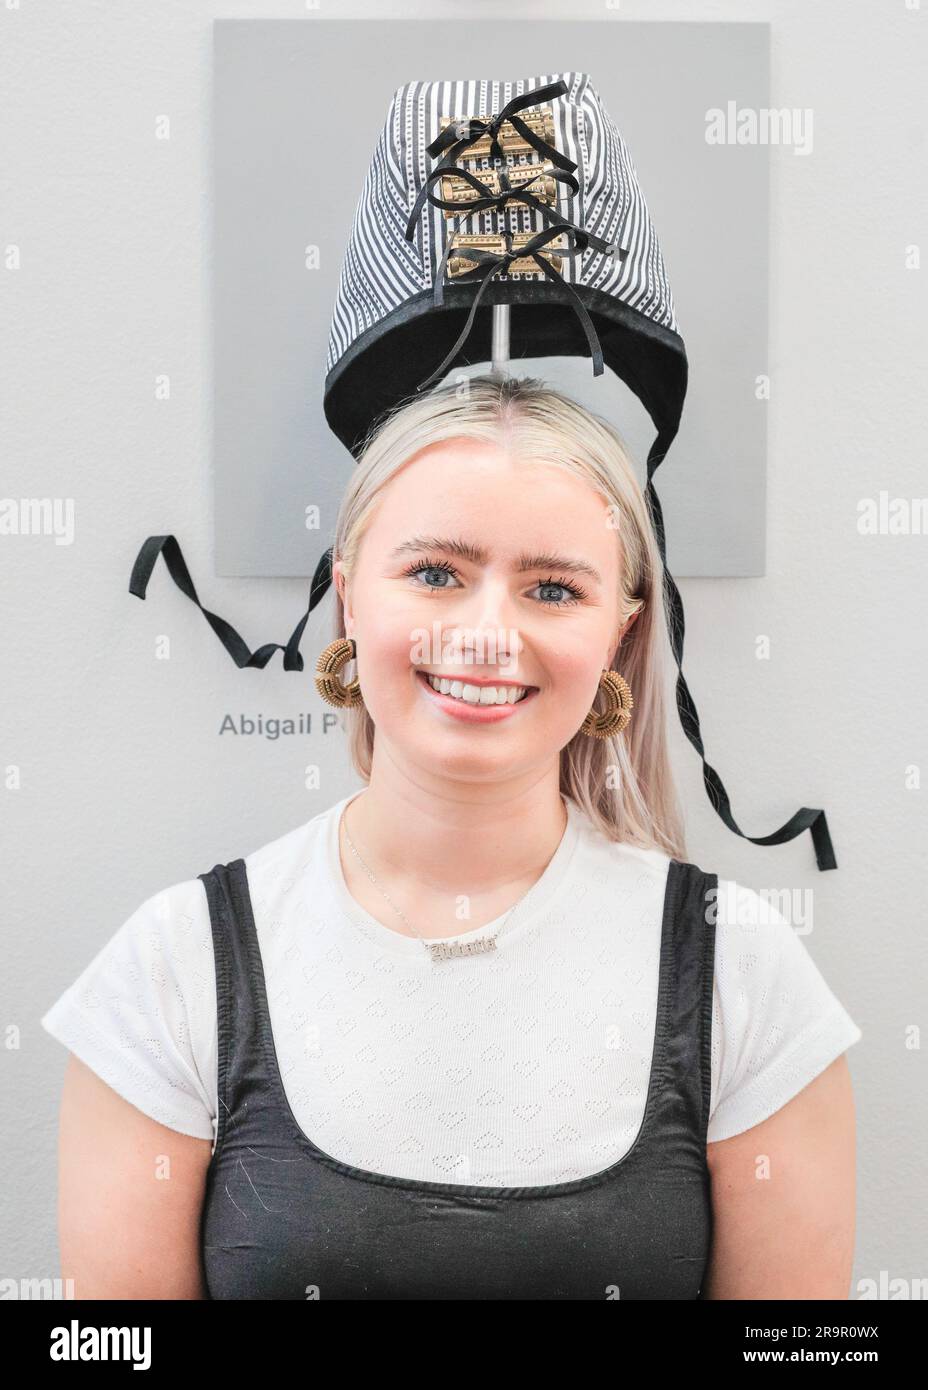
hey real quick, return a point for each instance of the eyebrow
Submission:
(477, 555)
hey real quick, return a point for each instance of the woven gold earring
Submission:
(336, 655)
(618, 711)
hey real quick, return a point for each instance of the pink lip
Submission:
(475, 714)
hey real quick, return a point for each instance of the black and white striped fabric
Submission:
(402, 320)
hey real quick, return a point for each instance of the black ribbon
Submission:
(509, 193)
(451, 144)
(805, 818)
(230, 639)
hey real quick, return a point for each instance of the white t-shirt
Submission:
(533, 1072)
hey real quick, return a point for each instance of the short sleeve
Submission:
(775, 1023)
(142, 1015)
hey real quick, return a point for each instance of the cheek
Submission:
(571, 664)
(572, 692)
(385, 667)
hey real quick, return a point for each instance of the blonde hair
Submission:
(538, 423)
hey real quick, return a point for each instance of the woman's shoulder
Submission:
(292, 850)
(142, 1011)
(165, 929)
(176, 916)
(776, 1023)
(614, 855)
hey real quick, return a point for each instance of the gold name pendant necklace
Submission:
(439, 950)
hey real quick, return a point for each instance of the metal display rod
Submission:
(500, 348)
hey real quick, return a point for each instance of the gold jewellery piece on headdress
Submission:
(458, 242)
(612, 720)
(539, 176)
(539, 122)
(336, 655)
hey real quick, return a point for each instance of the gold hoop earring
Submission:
(618, 711)
(336, 655)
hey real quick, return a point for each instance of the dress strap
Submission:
(241, 1041)
(683, 1028)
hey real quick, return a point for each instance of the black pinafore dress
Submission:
(284, 1220)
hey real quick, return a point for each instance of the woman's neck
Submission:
(430, 843)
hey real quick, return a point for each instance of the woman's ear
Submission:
(622, 633)
(341, 588)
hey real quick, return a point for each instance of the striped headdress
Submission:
(482, 193)
(595, 285)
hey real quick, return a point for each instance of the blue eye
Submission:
(568, 588)
(442, 567)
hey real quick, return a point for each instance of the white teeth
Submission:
(477, 694)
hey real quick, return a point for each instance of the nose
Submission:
(486, 621)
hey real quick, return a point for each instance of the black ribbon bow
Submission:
(509, 193)
(452, 141)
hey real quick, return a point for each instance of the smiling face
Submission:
(497, 579)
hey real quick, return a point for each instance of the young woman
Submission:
(479, 1030)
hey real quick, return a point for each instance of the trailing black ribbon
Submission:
(805, 818)
(490, 263)
(230, 639)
